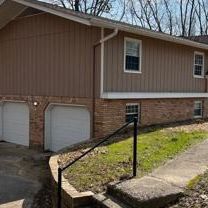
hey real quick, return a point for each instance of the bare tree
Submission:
(142, 12)
(202, 16)
(199, 17)
(76, 5)
(169, 16)
(191, 17)
(93, 7)
(205, 15)
(175, 17)
(153, 5)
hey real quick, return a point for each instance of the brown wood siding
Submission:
(166, 67)
(47, 55)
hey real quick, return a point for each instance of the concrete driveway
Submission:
(24, 174)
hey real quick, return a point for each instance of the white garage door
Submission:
(15, 123)
(67, 125)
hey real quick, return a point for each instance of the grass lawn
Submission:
(112, 161)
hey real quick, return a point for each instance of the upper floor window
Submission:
(132, 53)
(198, 64)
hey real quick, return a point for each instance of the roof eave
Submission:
(52, 11)
(148, 33)
(94, 21)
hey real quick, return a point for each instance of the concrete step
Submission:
(107, 201)
(147, 192)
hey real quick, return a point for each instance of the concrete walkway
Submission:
(22, 174)
(166, 183)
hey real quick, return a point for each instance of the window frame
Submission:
(138, 113)
(201, 103)
(140, 55)
(202, 54)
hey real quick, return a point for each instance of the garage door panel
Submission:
(16, 123)
(69, 125)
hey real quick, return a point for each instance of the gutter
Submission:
(100, 43)
(145, 32)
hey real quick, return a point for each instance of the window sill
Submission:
(132, 72)
(198, 77)
(197, 116)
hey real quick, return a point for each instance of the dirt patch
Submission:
(72, 155)
(190, 127)
(197, 197)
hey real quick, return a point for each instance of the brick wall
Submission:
(166, 110)
(110, 114)
(37, 113)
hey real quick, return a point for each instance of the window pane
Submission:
(198, 108)
(132, 111)
(197, 112)
(199, 59)
(198, 105)
(132, 63)
(132, 48)
(131, 117)
(198, 70)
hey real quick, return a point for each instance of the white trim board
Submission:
(146, 95)
(202, 54)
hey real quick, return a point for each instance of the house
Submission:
(200, 38)
(66, 77)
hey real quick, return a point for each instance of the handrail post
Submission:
(61, 169)
(135, 148)
(59, 187)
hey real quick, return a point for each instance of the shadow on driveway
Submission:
(15, 188)
(23, 174)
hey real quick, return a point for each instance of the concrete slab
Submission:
(185, 167)
(179, 173)
(106, 201)
(146, 192)
(166, 183)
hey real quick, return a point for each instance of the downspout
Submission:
(206, 82)
(101, 42)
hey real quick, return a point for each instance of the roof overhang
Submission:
(148, 33)
(51, 10)
(9, 9)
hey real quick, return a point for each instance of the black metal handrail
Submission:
(62, 168)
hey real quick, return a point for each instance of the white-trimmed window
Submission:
(198, 65)
(132, 55)
(198, 109)
(132, 111)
